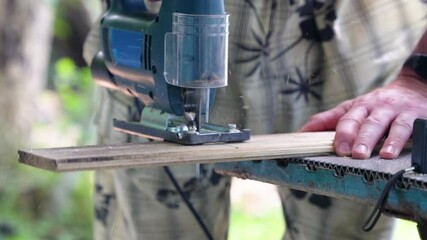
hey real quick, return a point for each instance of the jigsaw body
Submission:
(171, 58)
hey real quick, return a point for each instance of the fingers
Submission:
(371, 132)
(359, 128)
(358, 133)
(347, 129)
(326, 121)
(400, 132)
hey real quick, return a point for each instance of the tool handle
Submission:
(419, 145)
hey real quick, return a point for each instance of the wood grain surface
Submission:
(155, 154)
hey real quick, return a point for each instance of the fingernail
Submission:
(344, 148)
(361, 149)
(390, 149)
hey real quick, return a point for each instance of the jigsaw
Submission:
(171, 55)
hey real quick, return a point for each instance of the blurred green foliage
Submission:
(36, 204)
(74, 87)
(51, 218)
(266, 225)
(61, 28)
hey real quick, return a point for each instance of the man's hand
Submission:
(362, 122)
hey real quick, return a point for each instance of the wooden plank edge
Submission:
(110, 163)
(27, 158)
(35, 158)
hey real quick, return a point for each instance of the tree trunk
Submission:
(25, 39)
(26, 36)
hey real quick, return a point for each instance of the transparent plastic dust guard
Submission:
(196, 51)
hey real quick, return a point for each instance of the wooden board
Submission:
(156, 154)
